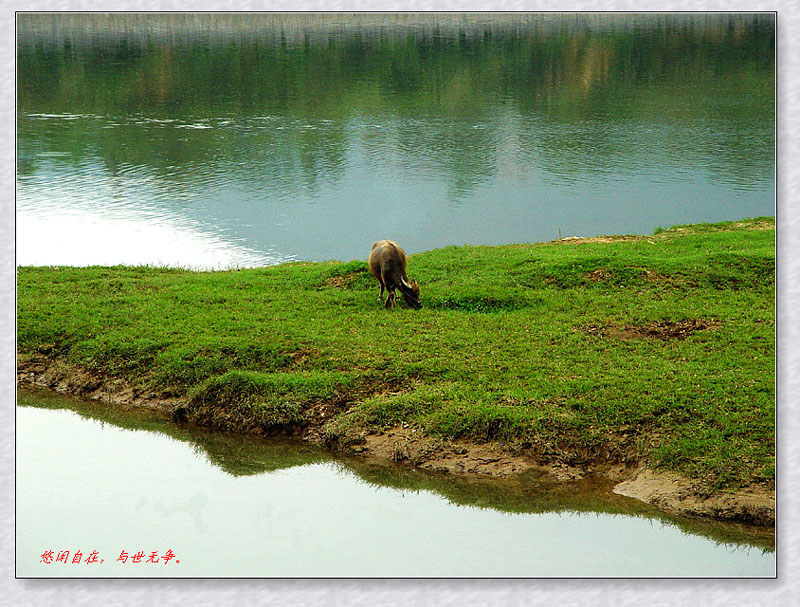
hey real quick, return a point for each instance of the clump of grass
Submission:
(182, 368)
(246, 399)
(115, 356)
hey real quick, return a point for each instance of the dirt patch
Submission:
(573, 240)
(343, 281)
(599, 275)
(753, 505)
(299, 357)
(670, 492)
(605, 274)
(653, 276)
(761, 224)
(664, 330)
(411, 446)
(62, 377)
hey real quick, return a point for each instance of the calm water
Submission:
(93, 479)
(217, 140)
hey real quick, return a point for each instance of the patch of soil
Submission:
(657, 330)
(764, 224)
(653, 276)
(411, 446)
(599, 275)
(299, 357)
(572, 240)
(68, 379)
(603, 274)
(670, 492)
(667, 491)
(342, 281)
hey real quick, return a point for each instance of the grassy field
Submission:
(659, 349)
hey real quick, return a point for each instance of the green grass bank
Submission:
(654, 349)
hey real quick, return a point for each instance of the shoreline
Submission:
(645, 359)
(666, 491)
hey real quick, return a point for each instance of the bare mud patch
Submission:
(343, 281)
(69, 379)
(599, 275)
(606, 274)
(670, 492)
(663, 330)
(575, 240)
(410, 446)
(653, 276)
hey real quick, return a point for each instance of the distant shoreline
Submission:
(293, 26)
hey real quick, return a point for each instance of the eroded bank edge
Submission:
(667, 491)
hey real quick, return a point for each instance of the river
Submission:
(235, 140)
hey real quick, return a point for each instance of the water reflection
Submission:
(307, 136)
(71, 228)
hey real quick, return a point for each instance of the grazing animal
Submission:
(387, 263)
